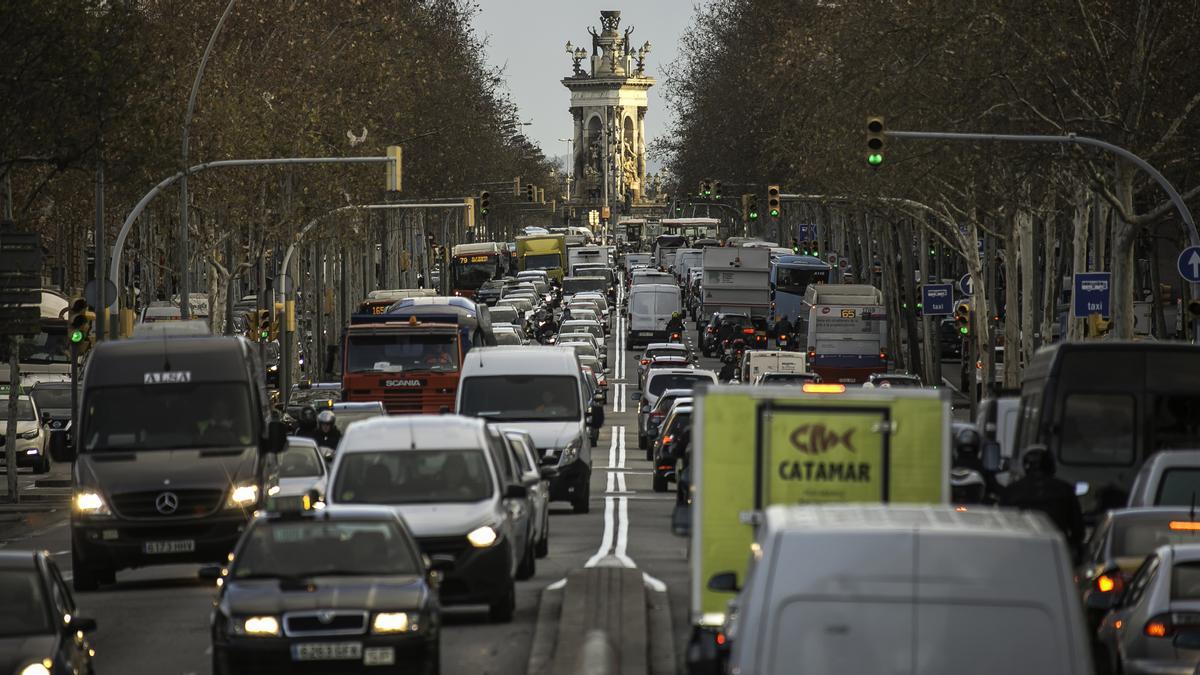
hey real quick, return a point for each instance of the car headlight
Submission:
(393, 622)
(28, 435)
(256, 626)
(41, 668)
(569, 453)
(242, 496)
(91, 503)
(482, 537)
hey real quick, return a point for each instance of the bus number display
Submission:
(847, 314)
(467, 259)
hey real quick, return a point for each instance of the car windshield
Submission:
(1178, 487)
(309, 548)
(49, 399)
(299, 461)
(168, 417)
(347, 417)
(664, 381)
(545, 261)
(666, 351)
(504, 314)
(25, 611)
(581, 348)
(573, 285)
(584, 326)
(24, 409)
(1185, 580)
(304, 396)
(1138, 537)
(413, 477)
(399, 353)
(790, 378)
(521, 397)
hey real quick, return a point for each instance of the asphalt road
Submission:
(155, 620)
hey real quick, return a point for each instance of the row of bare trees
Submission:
(92, 83)
(778, 91)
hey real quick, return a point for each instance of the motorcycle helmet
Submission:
(1038, 460)
(967, 443)
(308, 416)
(326, 417)
(966, 486)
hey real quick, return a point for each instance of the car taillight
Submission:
(656, 415)
(709, 329)
(812, 353)
(667, 439)
(1108, 583)
(1166, 625)
(748, 331)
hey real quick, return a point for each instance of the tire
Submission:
(501, 609)
(43, 465)
(582, 501)
(643, 442)
(659, 482)
(542, 548)
(528, 565)
(83, 578)
(649, 454)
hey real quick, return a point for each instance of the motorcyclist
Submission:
(547, 328)
(729, 369)
(327, 434)
(306, 425)
(1039, 490)
(783, 331)
(675, 324)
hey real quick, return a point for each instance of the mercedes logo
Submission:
(166, 503)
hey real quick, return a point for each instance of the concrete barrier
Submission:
(600, 625)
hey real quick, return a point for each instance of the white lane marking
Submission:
(623, 533)
(606, 540)
(621, 447)
(561, 583)
(611, 480)
(621, 487)
(612, 448)
(655, 584)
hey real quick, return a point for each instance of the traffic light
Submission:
(753, 207)
(530, 192)
(706, 188)
(679, 209)
(485, 202)
(79, 326)
(774, 206)
(717, 189)
(875, 138)
(814, 248)
(262, 329)
(962, 318)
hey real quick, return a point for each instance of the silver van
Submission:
(540, 390)
(650, 308)
(906, 589)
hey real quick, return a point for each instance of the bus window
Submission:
(1098, 429)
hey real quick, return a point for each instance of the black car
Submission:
(41, 630)
(338, 589)
(670, 446)
(53, 401)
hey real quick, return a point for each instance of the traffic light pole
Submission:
(1072, 139)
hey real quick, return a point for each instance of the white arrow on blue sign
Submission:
(1189, 264)
(964, 285)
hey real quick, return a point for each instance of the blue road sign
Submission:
(964, 285)
(937, 299)
(1189, 264)
(1092, 293)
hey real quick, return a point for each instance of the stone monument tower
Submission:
(608, 106)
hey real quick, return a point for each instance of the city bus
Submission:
(790, 278)
(846, 329)
(473, 264)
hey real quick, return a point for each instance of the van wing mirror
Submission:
(276, 439)
(724, 582)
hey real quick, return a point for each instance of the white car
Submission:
(32, 450)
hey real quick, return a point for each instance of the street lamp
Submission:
(570, 162)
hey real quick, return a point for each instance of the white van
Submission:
(540, 390)
(650, 308)
(907, 589)
(687, 259)
(758, 361)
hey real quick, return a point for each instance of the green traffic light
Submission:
(264, 334)
(708, 193)
(76, 336)
(964, 330)
(875, 159)
(754, 215)
(774, 213)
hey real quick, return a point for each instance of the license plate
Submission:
(181, 546)
(327, 651)
(379, 656)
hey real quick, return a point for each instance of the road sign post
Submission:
(1092, 294)
(937, 299)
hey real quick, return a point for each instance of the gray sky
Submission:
(527, 39)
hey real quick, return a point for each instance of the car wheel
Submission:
(433, 661)
(501, 609)
(649, 454)
(43, 465)
(218, 665)
(582, 502)
(83, 579)
(528, 565)
(542, 548)
(643, 442)
(659, 482)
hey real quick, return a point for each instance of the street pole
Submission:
(183, 183)
(102, 299)
(10, 430)
(570, 163)
(1072, 139)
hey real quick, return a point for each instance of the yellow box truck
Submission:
(755, 447)
(543, 252)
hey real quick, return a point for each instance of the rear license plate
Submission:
(379, 656)
(327, 651)
(181, 546)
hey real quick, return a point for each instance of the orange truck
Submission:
(410, 365)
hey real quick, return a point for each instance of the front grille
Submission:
(322, 622)
(416, 401)
(191, 503)
(432, 546)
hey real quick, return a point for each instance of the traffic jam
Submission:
(828, 511)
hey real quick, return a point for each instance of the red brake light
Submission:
(645, 361)
(1159, 627)
(667, 439)
(748, 331)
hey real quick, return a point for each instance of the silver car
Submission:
(302, 470)
(537, 479)
(1155, 627)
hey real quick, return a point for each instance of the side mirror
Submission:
(516, 492)
(724, 582)
(441, 562)
(992, 461)
(81, 624)
(276, 437)
(209, 572)
(548, 472)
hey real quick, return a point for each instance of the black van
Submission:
(175, 443)
(1101, 408)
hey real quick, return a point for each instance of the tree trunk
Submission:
(1012, 302)
(1024, 226)
(1079, 249)
(1123, 267)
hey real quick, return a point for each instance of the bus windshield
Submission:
(796, 280)
(471, 271)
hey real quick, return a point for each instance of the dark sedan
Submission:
(341, 590)
(41, 631)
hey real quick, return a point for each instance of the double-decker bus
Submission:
(791, 276)
(473, 264)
